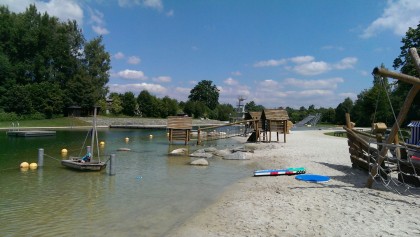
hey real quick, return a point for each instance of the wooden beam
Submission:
(396, 75)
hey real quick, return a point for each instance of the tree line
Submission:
(47, 65)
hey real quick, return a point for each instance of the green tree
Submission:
(224, 112)
(129, 104)
(196, 109)
(252, 107)
(148, 104)
(47, 98)
(97, 64)
(18, 100)
(116, 105)
(205, 92)
(36, 49)
(406, 66)
(170, 107)
(372, 104)
(328, 115)
(344, 107)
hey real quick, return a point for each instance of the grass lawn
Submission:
(57, 122)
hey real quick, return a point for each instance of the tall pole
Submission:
(93, 132)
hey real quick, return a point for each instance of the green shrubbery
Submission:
(4, 116)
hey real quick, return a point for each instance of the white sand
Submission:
(284, 206)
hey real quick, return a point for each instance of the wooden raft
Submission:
(179, 128)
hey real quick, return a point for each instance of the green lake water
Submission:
(150, 194)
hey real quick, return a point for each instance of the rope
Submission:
(59, 160)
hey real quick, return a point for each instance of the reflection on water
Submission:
(150, 193)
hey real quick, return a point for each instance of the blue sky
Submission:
(276, 53)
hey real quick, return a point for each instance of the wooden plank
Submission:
(179, 122)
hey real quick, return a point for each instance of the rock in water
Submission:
(201, 162)
(179, 151)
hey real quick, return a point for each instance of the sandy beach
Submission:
(284, 206)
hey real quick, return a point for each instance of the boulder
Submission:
(200, 162)
(201, 154)
(210, 149)
(222, 153)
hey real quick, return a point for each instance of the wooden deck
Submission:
(31, 133)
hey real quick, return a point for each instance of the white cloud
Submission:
(306, 65)
(100, 30)
(398, 16)
(119, 55)
(269, 83)
(312, 68)
(164, 79)
(183, 90)
(331, 47)
(134, 60)
(154, 4)
(350, 95)
(318, 84)
(270, 63)
(302, 59)
(63, 9)
(231, 94)
(346, 63)
(230, 81)
(97, 21)
(131, 74)
(138, 87)
(311, 93)
(170, 13)
(236, 73)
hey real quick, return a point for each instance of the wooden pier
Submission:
(31, 133)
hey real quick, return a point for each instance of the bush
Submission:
(4, 116)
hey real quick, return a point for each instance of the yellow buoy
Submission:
(33, 166)
(127, 139)
(24, 165)
(102, 143)
(64, 150)
(151, 136)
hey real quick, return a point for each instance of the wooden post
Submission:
(40, 157)
(198, 136)
(285, 129)
(112, 165)
(348, 121)
(401, 116)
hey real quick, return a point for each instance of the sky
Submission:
(277, 53)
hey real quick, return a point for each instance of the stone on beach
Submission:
(237, 156)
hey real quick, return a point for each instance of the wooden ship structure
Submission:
(383, 154)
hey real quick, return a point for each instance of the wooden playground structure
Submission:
(259, 125)
(390, 154)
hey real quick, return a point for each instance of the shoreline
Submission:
(129, 123)
(284, 206)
